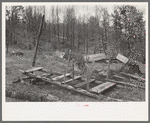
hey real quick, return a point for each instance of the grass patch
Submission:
(52, 62)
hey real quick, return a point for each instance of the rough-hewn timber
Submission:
(120, 77)
(95, 57)
(34, 69)
(62, 76)
(75, 77)
(124, 83)
(79, 90)
(102, 87)
(83, 83)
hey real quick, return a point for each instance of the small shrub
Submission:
(79, 60)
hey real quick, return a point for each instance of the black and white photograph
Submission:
(75, 53)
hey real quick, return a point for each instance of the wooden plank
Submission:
(34, 69)
(123, 86)
(133, 76)
(122, 58)
(124, 83)
(59, 77)
(83, 83)
(120, 77)
(75, 77)
(102, 87)
(95, 57)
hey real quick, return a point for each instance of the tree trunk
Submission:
(116, 42)
(105, 39)
(63, 32)
(78, 43)
(87, 60)
(73, 69)
(78, 36)
(49, 32)
(7, 40)
(103, 45)
(108, 68)
(87, 72)
(87, 40)
(7, 46)
(84, 38)
(129, 50)
(67, 32)
(58, 36)
(95, 47)
(73, 36)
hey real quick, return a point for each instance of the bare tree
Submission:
(57, 16)
(50, 29)
(79, 32)
(105, 25)
(53, 20)
(12, 22)
(84, 34)
(99, 29)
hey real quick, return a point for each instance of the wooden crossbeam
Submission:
(120, 77)
(123, 83)
(133, 76)
(59, 77)
(83, 83)
(46, 71)
(46, 74)
(34, 69)
(102, 87)
(75, 77)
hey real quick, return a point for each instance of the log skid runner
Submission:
(94, 92)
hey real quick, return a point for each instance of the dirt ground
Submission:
(52, 62)
(9, 99)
